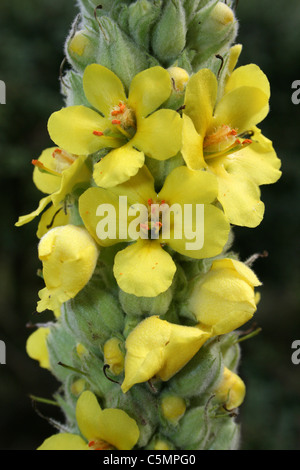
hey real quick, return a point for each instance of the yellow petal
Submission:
(88, 209)
(239, 196)
(36, 347)
(192, 145)
(157, 347)
(137, 189)
(234, 54)
(118, 166)
(76, 174)
(46, 182)
(113, 426)
(250, 76)
(24, 219)
(200, 98)
(257, 161)
(187, 186)
(103, 88)
(72, 129)
(214, 232)
(144, 269)
(148, 90)
(223, 299)
(69, 257)
(52, 217)
(241, 109)
(64, 441)
(240, 268)
(159, 135)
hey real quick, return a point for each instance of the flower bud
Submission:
(223, 299)
(113, 355)
(173, 408)
(231, 391)
(69, 255)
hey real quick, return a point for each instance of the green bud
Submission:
(231, 351)
(192, 431)
(169, 34)
(142, 16)
(225, 435)
(209, 36)
(73, 89)
(94, 315)
(61, 348)
(119, 53)
(81, 49)
(145, 306)
(201, 374)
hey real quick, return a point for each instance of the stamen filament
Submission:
(45, 169)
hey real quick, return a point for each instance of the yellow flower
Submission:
(129, 127)
(69, 255)
(223, 299)
(158, 348)
(102, 429)
(36, 347)
(222, 137)
(144, 268)
(231, 391)
(56, 173)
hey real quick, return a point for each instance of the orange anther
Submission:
(247, 141)
(116, 121)
(98, 133)
(233, 132)
(150, 201)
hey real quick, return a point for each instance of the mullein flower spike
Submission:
(158, 155)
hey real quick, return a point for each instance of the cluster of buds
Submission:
(158, 156)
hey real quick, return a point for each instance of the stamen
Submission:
(116, 121)
(44, 169)
(98, 133)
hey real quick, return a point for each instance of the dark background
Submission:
(32, 35)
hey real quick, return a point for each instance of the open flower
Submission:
(224, 299)
(56, 173)
(129, 127)
(159, 348)
(137, 213)
(69, 255)
(108, 429)
(222, 137)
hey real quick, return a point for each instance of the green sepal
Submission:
(202, 373)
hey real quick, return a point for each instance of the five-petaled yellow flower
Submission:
(222, 137)
(144, 268)
(130, 127)
(108, 429)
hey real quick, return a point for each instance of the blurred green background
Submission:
(32, 35)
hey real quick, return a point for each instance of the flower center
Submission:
(98, 444)
(152, 227)
(224, 141)
(124, 122)
(63, 160)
